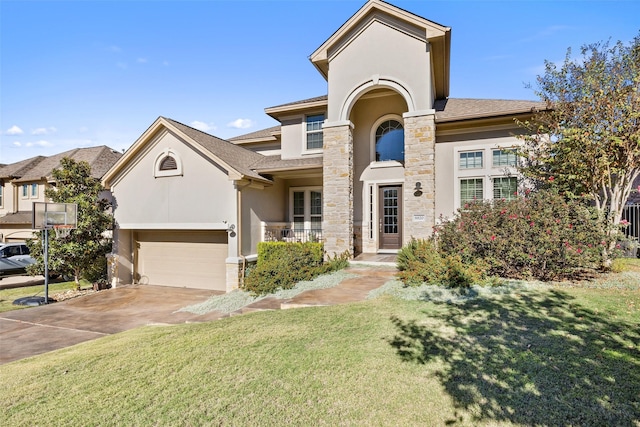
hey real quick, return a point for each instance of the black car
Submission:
(14, 259)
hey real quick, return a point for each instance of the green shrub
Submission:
(420, 262)
(281, 265)
(539, 236)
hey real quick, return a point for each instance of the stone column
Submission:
(337, 185)
(419, 167)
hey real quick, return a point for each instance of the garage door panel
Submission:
(183, 259)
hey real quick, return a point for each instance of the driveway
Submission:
(37, 330)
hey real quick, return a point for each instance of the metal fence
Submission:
(631, 214)
(278, 234)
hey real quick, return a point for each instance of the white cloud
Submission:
(44, 131)
(142, 60)
(115, 49)
(14, 130)
(41, 143)
(241, 124)
(17, 144)
(205, 127)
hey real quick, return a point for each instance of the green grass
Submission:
(7, 296)
(540, 355)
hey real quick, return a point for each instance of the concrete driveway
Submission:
(32, 331)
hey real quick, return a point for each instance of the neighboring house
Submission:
(364, 168)
(24, 182)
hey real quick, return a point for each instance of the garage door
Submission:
(192, 259)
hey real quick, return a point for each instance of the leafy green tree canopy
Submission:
(82, 253)
(587, 142)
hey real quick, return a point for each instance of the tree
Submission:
(587, 142)
(82, 253)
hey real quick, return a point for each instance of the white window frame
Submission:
(1, 194)
(306, 133)
(493, 186)
(24, 191)
(502, 150)
(372, 140)
(307, 205)
(34, 194)
(167, 152)
(488, 172)
(482, 162)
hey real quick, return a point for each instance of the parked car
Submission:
(14, 259)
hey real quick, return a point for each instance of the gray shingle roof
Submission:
(18, 169)
(17, 218)
(275, 163)
(100, 159)
(303, 101)
(454, 109)
(260, 134)
(237, 157)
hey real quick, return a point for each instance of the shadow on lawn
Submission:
(536, 359)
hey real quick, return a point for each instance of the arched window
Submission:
(390, 141)
(167, 163)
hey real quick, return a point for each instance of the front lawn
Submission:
(535, 355)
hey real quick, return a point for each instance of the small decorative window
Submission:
(167, 163)
(314, 131)
(390, 141)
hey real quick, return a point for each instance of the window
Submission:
(25, 191)
(1, 198)
(306, 209)
(471, 190)
(314, 131)
(167, 163)
(504, 158)
(390, 141)
(505, 187)
(34, 191)
(471, 160)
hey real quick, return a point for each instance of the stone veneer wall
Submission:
(337, 194)
(419, 166)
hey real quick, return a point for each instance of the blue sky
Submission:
(85, 73)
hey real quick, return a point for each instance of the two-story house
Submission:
(24, 182)
(364, 168)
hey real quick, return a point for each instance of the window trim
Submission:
(305, 132)
(307, 205)
(482, 162)
(372, 139)
(24, 191)
(167, 152)
(469, 178)
(502, 150)
(511, 196)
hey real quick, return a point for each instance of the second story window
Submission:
(314, 131)
(25, 191)
(504, 158)
(471, 160)
(34, 191)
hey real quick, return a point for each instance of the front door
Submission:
(390, 217)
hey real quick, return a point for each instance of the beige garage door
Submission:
(192, 259)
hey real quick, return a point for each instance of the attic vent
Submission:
(168, 163)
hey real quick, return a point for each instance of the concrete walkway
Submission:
(37, 330)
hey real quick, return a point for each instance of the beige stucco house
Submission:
(368, 166)
(24, 182)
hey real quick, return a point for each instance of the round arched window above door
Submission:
(390, 141)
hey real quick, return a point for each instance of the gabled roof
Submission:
(236, 160)
(413, 25)
(100, 159)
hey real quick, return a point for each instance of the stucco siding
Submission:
(380, 52)
(446, 174)
(203, 193)
(258, 206)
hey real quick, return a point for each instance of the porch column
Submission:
(337, 184)
(419, 167)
